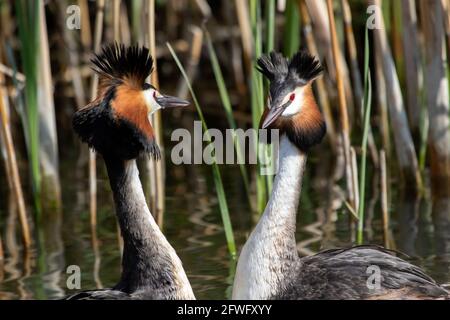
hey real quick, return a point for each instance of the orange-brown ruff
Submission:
(129, 104)
(306, 128)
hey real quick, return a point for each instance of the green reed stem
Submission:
(257, 98)
(367, 105)
(28, 22)
(423, 129)
(270, 25)
(215, 168)
(136, 13)
(270, 46)
(291, 31)
(224, 96)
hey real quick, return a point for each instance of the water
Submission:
(192, 223)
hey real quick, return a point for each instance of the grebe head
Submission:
(117, 122)
(291, 106)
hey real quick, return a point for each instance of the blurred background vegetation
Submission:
(382, 175)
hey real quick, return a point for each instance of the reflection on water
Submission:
(421, 229)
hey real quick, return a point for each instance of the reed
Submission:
(404, 145)
(3, 148)
(74, 60)
(320, 19)
(125, 26)
(257, 99)
(12, 165)
(86, 35)
(117, 27)
(381, 100)
(97, 259)
(343, 112)
(94, 85)
(236, 53)
(384, 198)
(243, 17)
(395, 35)
(367, 106)
(192, 63)
(2, 255)
(48, 140)
(269, 47)
(355, 181)
(319, 83)
(413, 67)
(356, 75)
(437, 93)
(157, 169)
(136, 21)
(350, 42)
(116, 20)
(446, 11)
(291, 31)
(38, 115)
(28, 23)
(424, 131)
(215, 168)
(270, 25)
(224, 96)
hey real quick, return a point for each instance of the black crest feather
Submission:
(273, 66)
(117, 61)
(307, 128)
(301, 68)
(306, 66)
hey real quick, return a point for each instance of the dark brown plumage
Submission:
(343, 274)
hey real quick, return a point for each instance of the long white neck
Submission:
(149, 263)
(271, 249)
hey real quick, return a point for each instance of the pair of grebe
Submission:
(117, 126)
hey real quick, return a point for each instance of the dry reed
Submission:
(15, 178)
(48, 145)
(437, 96)
(94, 85)
(384, 198)
(404, 146)
(157, 169)
(343, 113)
(356, 75)
(413, 68)
(320, 83)
(246, 33)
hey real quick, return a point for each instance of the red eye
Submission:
(292, 97)
(154, 94)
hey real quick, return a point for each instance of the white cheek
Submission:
(295, 105)
(152, 105)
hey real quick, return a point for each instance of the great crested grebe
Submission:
(269, 266)
(116, 124)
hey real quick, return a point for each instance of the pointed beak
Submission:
(171, 102)
(273, 114)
